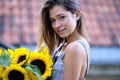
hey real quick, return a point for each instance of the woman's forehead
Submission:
(57, 11)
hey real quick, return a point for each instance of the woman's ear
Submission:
(78, 14)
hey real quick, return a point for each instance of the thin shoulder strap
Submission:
(87, 51)
(63, 53)
(55, 51)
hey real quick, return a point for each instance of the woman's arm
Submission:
(74, 60)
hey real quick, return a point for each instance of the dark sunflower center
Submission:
(15, 75)
(21, 58)
(40, 64)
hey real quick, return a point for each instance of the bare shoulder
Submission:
(75, 49)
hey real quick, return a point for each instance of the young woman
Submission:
(63, 32)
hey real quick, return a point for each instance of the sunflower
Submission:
(43, 62)
(20, 56)
(0, 51)
(44, 51)
(15, 72)
(1, 71)
(11, 52)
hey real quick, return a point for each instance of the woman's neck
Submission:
(73, 38)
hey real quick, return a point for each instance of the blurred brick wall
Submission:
(103, 21)
(19, 21)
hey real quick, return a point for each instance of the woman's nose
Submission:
(57, 24)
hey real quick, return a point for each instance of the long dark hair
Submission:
(47, 33)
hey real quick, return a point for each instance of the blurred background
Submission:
(19, 24)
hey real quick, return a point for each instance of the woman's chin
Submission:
(62, 36)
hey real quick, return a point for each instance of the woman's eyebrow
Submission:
(60, 14)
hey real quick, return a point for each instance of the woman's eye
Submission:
(52, 20)
(61, 17)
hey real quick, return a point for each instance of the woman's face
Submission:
(63, 21)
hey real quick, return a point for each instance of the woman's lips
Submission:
(61, 31)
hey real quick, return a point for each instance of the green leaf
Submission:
(34, 69)
(5, 60)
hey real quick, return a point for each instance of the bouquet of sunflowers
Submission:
(21, 64)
